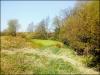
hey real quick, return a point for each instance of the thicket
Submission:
(81, 29)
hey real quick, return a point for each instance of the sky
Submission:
(31, 11)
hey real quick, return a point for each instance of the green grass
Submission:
(45, 43)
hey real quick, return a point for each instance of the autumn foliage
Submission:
(82, 30)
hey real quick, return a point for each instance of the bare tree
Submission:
(30, 27)
(42, 29)
(57, 23)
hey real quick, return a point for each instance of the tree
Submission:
(57, 24)
(30, 27)
(13, 26)
(42, 29)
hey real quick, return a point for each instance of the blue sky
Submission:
(31, 11)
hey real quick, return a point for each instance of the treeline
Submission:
(40, 30)
(79, 28)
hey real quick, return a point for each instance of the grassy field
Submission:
(42, 57)
(46, 43)
(33, 62)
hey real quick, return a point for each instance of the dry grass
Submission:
(34, 61)
(15, 42)
(37, 61)
(21, 56)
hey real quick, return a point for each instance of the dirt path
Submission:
(82, 68)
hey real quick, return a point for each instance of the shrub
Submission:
(83, 33)
(14, 42)
(59, 45)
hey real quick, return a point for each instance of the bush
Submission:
(83, 33)
(59, 45)
(14, 42)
